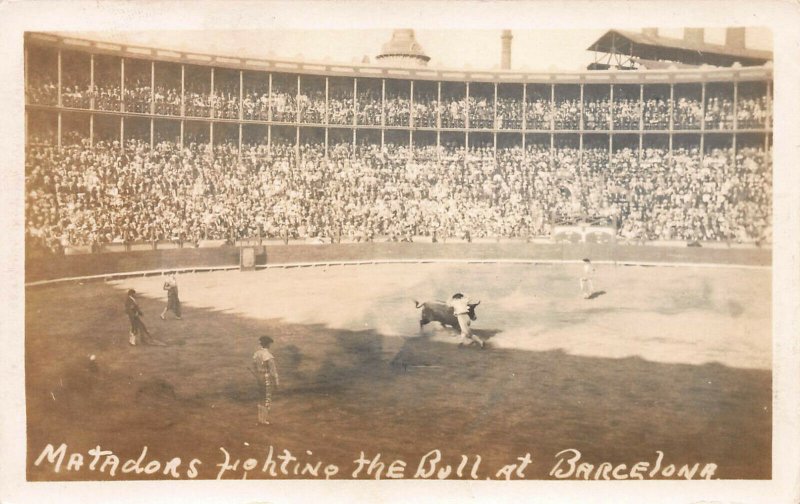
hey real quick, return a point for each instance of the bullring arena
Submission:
(674, 358)
(353, 211)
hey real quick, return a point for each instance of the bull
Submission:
(439, 311)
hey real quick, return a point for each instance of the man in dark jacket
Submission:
(138, 328)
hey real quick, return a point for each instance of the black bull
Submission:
(439, 311)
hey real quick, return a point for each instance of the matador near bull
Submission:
(458, 312)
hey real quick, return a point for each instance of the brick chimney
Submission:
(505, 52)
(693, 35)
(735, 38)
(650, 32)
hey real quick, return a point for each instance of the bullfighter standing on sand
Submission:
(173, 303)
(138, 329)
(264, 364)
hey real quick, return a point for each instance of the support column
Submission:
(524, 111)
(211, 137)
(269, 104)
(735, 119)
(152, 132)
(671, 116)
(241, 100)
(768, 119)
(122, 84)
(641, 121)
(494, 119)
(58, 131)
(183, 96)
(355, 108)
(466, 108)
(213, 100)
(641, 108)
(383, 104)
(610, 124)
(91, 81)
(297, 112)
(355, 111)
(182, 126)
(466, 147)
(59, 79)
(325, 119)
(702, 123)
(581, 125)
(122, 133)
(26, 66)
(240, 143)
(553, 108)
(152, 87)
(411, 106)
(703, 106)
(438, 110)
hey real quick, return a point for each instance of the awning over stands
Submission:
(648, 48)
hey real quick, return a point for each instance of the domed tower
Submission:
(403, 50)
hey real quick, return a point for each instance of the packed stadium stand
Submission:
(128, 144)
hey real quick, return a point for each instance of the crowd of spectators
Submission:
(426, 111)
(538, 114)
(397, 110)
(255, 105)
(369, 108)
(340, 108)
(751, 111)
(567, 114)
(481, 112)
(656, 114)
(509, 113)
(453, 112)
(225, 102)
(137, 97)
(687, 113)
(597, 114)
(81, 195)
(167, 101)
(627, 114)
(719, 113)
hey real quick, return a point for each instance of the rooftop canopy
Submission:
(649, 46)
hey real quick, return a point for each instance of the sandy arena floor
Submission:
(669, 359)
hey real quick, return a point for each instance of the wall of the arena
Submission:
(40, 268)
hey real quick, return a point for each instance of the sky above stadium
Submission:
(476, 49)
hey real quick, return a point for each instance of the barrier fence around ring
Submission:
(368, 262)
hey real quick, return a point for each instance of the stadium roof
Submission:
(657, 48)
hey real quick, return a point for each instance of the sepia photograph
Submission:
(407, 252)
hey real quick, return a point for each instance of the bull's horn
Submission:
(417, 303)
(475, 304)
